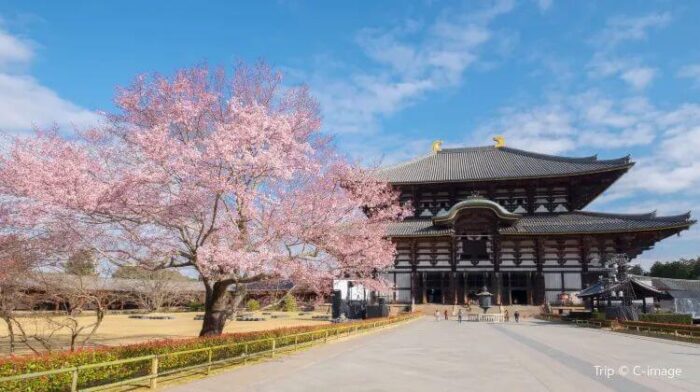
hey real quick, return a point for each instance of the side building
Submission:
(510, 220)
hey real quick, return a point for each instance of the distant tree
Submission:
(17, 261)
(289, 303)
(677, 269)
(79, 293)
(154, 289)
(82, 263)
(637, 270)
(252, 305)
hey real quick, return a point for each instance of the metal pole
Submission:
(245, 353)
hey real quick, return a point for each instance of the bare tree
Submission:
(153, 294)
(154, 289)
(78, 294)
(17, 262)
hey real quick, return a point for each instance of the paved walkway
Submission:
(442, 356)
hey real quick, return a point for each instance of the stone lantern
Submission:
(484, 299)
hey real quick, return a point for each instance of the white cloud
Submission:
(569, 122)
(607, 62)
(544, 5)
(639, 78)
(24, 102)
(691, 71)
(624, 28)
(14, 50)
(409, 61)
(594, 121)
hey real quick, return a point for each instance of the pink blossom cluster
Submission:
(228, 175)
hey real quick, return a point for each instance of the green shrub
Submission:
(252, 305)
(114, 373)
(596, 315)
(289, 303)
(667, 318)
(579, 315)
(195, 306)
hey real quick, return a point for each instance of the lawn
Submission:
(120, 329)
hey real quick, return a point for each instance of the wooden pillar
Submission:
(443, 289)
(424, 277)
(496, 287)
(508, 299)
(539, 294)
(413, 287)
(465, 287)
(530, 297)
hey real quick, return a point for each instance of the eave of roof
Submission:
(566, 223)
(452, 165)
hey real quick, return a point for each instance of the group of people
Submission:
(460, 315)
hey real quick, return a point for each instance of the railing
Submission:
(592, 323)
(687, 332)
(214, 355)
(489, 318)
(675, 331)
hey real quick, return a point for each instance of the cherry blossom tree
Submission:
(227, 175)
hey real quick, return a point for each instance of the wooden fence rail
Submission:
(271, 346)
(688, 333)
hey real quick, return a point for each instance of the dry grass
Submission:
(120, 329)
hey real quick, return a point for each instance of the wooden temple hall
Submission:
(511, 220)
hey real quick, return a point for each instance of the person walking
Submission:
(517, 316)
(459, 316)
(446, 318)
(437, 315)
(506, 316)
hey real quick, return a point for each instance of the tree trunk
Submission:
(11, 334)
(216, 309)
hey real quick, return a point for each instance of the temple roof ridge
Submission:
(652, 215)
(482, 163)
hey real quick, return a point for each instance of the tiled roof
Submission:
(492, 163)
(594, 222)
(416, 228)
(559, 223)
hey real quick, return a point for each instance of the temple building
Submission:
(510, 220)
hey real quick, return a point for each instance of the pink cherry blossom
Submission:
(229, 176)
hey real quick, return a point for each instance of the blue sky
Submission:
(561, 77)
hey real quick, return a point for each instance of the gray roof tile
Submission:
(491, 163)
(560, 223)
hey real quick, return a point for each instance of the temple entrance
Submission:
(434, 296)
(435, 287)
(518, 297)
(517, 288)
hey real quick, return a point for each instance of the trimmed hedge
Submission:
(110, 374)
(666, 318)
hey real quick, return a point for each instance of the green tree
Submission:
(289, 303)
(81, 263)
(637, 270)
(677, 269)
(252, 305)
